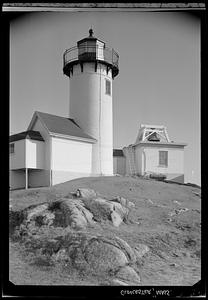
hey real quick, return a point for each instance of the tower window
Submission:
(108, 87)
(11, 148)
(163, 158)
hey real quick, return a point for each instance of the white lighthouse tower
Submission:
(91, 68)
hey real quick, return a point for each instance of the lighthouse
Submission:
(55, 149)
(91, 67)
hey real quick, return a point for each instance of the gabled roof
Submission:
(61, 126)
(118, 152)
(30, 134)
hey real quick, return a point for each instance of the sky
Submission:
(159, 72)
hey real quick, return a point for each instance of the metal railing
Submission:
(91, 53)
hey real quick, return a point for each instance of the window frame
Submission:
(108, 87)
(163, 161)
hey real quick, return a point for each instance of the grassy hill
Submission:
(166, 218)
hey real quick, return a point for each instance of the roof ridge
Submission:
(41, 112)
(72, 120)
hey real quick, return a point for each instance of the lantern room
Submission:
(90, 49)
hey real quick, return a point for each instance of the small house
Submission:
(154, 154)
(54, 149)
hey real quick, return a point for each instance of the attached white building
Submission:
(27, 154)
(53, 149)
(153, 153)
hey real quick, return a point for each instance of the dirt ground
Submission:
(166, 217)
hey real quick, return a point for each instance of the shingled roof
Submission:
(63, 126)
(30, 134)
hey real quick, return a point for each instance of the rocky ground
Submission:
(106, 231)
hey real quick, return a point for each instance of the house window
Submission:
(11, 148)
(163, 158)
(108, 87)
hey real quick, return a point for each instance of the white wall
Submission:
(146, 159)
(71, 156)
(35, 154)
(175, 160)
(138, 159)
(27, 154)
(17, 159)
(47, 158)
(92, 109)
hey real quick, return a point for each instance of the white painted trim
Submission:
(25, 156)
(50, 167)
(96, 74)
(160, 143)
(148, 126)
(32, 122)
(70, 137)
(36, 114)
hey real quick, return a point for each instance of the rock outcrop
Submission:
(80, 212)
(61, 231)
(85, 193)
(75, 214)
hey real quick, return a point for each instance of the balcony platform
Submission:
(96, 54)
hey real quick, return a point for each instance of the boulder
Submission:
(108, 256)
(85, 193)
(128, 276)
(76, 215)
(116, 281)
(141, 250)
(117, 209)
(87, 214)
(120, 209)
(114, 209)
(105, 203)
(124, 246)
(65, 212)
(103, 256)
(124, 202)
(116, 219)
